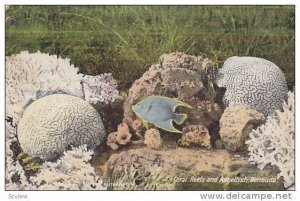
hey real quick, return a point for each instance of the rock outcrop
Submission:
(192, 169)
(188, 78)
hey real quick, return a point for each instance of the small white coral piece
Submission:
(273, 142)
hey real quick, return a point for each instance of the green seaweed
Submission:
(126, 40)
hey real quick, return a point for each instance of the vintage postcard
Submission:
(150, 97)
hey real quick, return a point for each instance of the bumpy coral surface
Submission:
(236, 123)
(52, 123)
(195, 135)
(30, 76)
(274, 142)
(153, 139)
(253, 81)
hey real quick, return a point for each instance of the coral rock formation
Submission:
(153, 139)
(177, 75)
(236, 123)
(195, 135)
(253, 81)
(52, 123)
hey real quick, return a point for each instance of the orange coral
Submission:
(195, 135)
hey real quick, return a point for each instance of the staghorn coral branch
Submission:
(273, 142)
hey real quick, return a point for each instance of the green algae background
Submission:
(126, 40)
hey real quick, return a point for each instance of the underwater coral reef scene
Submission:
(150, 98)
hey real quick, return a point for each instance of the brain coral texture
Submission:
(52, 123)
(253, 81)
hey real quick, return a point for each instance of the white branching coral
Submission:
(100, 88)
(273, 142)
(30, 76)
(71, 172)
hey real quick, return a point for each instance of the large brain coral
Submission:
(253, 81)
(51, 124)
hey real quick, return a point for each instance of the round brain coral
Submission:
(51, 124)
(253, 81)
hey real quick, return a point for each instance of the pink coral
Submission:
(112, 140)
(121, 137)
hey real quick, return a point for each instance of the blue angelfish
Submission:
(160, 111)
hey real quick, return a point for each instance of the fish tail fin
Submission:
(179, 118)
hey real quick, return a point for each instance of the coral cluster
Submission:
(195, 135)
(274, 142)
(153, 139)
(52, 123)
(236, 123)
(121, 137)
(30, 76)
(253, 81)
(71, 172)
